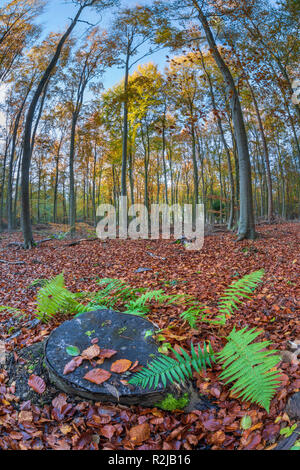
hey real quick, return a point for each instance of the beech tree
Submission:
(17, 30)
(27, 143)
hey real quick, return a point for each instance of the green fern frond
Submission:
(38, 283)
(5, 308)
(246, 364)
(234, 294)
(192, 315)
(165, 368)
(139, 307)
(54, 298)
(115, 290)
(16, 312)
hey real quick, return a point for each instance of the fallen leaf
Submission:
(134, 365)
(107, 353)
(73, 350)
(139, 433)
(120, 366)
(25, 416)
(108, 431)
(60, 401)
(91, 352)
(97, 376)
(246, 422)
(37, 384)
(72, 365)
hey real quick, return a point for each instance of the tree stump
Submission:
(116, 331)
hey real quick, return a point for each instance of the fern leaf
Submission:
(54, 298)
(139, 307)
(165, 368)
(192, 315)
(250, 367)
(114, 290)
(235, 292)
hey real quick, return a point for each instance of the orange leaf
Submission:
(120, 366)
(134, 365)
(91, 352)
(139, 433)
(97, 376)
(107, 353)
(37, 383)
(73, 364)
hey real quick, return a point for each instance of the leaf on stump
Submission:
(120, 366)
(37, 384)
(134, 365)
(91, 352)
(97, 376)
(107, 353)
(72, 365)
(73, 350)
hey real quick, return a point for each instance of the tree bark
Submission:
(246, 222)
(125, 128)
(266, 155)
(27, 149)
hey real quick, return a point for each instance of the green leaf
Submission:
(179, 369)
(246, 422)
(237, 290)
(250, 367)
(73, 350)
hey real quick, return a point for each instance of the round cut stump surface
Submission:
(114, 330)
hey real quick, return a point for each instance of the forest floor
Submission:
(66, 423)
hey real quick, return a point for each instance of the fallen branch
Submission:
(76, 242)
(39, 242)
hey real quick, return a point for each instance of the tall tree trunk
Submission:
(164, 154)
(266, 155)
(72, 199)
(11, 162)
(16, 192)
(125, 128)
(220, 126)
(27, 148)
(195, 172)
(94, 187)
(246, 222)
(56, 181)
(7, 143)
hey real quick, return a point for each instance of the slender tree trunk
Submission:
(220, 126)
(195, 171)
(94, 187)
(11, 162)
(19, 158)
(57, 157)
(72, 199)
(39, 191)
(266, 155)
(7, 143)
(246, 222)
(131, 179)
(27, 148)
(125, 128)
(164, 154)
